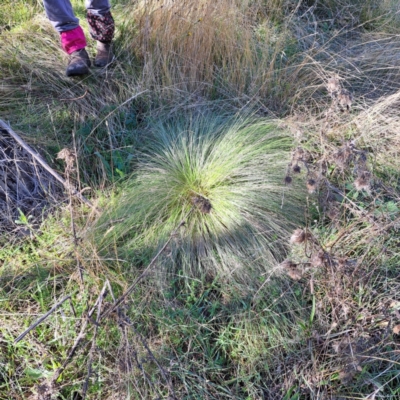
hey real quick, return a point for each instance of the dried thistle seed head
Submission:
(298, 154)
(361, 184)
(318, 259)
(296, 169)
(363, 181)
(288, 180)
(291, 269)
(333, 86)
(343, 156)
(396, 329)
(68, 156)
(298, 236)
(345, 99)
(311, 186)
(294, 273)
(206, 207)
(333, 213)
(287, 264)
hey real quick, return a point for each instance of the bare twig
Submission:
(81, 335)
(101, 296)
(43, 163)
(98, 304)
(75, 98)
(41, 319)
(70, 159)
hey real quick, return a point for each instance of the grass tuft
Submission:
(224, 177)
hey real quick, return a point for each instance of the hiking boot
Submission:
(104, 54)
(79, 63)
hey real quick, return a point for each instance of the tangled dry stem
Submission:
(27, 190)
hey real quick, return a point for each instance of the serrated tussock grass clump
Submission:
(225, 178)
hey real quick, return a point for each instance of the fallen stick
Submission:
(41, 319)
(71, 353)
(46, 166)
(98, 304)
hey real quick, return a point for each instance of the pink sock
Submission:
(73, 40)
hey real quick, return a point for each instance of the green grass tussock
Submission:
(225, 178)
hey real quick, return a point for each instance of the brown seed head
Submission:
(295, 274)
(363, 181)
(202, 204)
(396, 329)
(318, 259)
(333, 85)
(343, 156)
(361, 184)
(288, 264)
(311, 185)
(345, 99)
(288, 180)
(291, 270)
(68, 156)
(298, 236)
(296, 169)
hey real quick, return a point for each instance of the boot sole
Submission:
(78, 72)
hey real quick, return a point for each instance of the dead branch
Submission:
(37, 157)
(71, 353)
(41, 319)
(98, 304)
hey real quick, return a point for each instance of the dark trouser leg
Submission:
(61, 14)
(102, 28)
(100, 20)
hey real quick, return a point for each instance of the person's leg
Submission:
(73, 41)
(102, 28)
(61, 14)
(98, 7)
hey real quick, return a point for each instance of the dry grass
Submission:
(327, 326)
(379, 129)
(224, 49)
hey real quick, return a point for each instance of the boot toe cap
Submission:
(77, 69)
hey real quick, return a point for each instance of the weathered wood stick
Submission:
(41, 319)
(46, 166)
